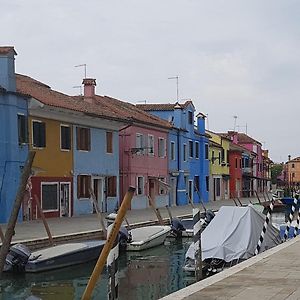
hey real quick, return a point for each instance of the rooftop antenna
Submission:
(175, 77)
(78, 87)
(142, 101)
(234, 124)
(207, 121)
(82, 65)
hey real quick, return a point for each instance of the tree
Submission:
(276, 171)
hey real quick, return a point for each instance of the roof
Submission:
(242, 137)
(7, 49)
(214, 144)
(164, 106)
(296, 159)
(102, 106)
(223, 136)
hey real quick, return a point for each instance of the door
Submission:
(65, 198)
(190, 190)
(238, 188)
(217, 188)
(152, 189)
(98, 186)
(173, 192)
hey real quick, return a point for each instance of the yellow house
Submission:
(219, 166)
(52, 166)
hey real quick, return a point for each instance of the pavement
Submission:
(273, 274)
(33, 233)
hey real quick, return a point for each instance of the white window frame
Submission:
(143, 186)
(197, 150)
(57, 195)
(151, 137)
(161, 139)
(172, 153)
(184, 152)
(65, 125)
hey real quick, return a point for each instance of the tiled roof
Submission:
(242, 137)
(104, 107)
(162, 107)
(7, 49)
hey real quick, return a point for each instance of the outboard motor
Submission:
(177, 227)
(17, 258)
(124, 237)
(209, 215)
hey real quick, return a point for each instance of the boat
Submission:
(21, 259)
(145, 237)
(231, 237)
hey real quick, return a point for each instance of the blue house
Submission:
(13, 133)
(187, 151)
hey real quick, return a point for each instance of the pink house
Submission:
(144, 161)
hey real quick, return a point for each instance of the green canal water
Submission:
(148, 274)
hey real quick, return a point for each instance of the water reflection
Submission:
(149, 274)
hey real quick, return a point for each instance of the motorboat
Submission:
(145, 237)
(232, 236)
(21, 259)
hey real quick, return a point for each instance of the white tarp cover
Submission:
(234, 233)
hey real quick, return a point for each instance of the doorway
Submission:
(65, 198)
(98, 187)
(173, 193)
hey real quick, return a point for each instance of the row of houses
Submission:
(100, 143)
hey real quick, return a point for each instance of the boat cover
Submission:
(234, 233)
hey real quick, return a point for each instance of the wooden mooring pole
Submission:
(108, 245)
(15, 210)
(169, 213)
(1, 235)
(197, 243)
(290, 218)
(156, 210)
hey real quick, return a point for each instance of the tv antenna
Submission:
(234, 124)
(78, 87)
(176, 77)
(82, 65)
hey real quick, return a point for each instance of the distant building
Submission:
(13, 133)
(293, 172)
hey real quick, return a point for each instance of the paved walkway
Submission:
(34, 230)
(274, 274)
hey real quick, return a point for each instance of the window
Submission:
(196, 183)
(139, 143)
(150, 144)
(22, 129)
(140, 185)
(83, 138)
(112, 186)
(293, 165)
(161, 147)
(218, 187)
(206, 151)
(190, 117)
(184, 153)
(207, 183)
(49, 196)
(240, 163)
(236, 163)
(65, 137)
(191, 149)
(190, 189)
(172, 150)
(109, 142)
(223, 155)
(196, 150)
(39, 134)
(212, 157)
(219, 157)
(83, 185)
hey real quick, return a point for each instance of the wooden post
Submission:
(108, 245)
(198, 192)
(257, 197)
(1, 235)
(15, 210)
(38, 205)
(197, 243)
(98, 212)
(127, 223)
(169, 213)
(156, 210)
(190, 200)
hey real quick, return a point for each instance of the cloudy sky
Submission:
(233, 58)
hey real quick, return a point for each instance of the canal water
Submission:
(148, 274)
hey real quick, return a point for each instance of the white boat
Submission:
(147, 237)
(21, 259)
(232, 236)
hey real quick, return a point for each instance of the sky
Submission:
(233, 58)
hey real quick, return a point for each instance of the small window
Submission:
(83, 185)
(196, 150)
(191, 149)
(172, 150)
(213, 157)
(223, 154)
(49, 197)
(293, 165)
(206, 151)
(22, 129)
(112, 186)
(109, 142)
(139, 143)
(207, 183)
(83, 138)
(161, 147)
(184, 152)
(190, 117)
(65, 137)
(219, 157)
(140, 185)
(190, 189)
(236, 163)
(151, 145)
(39, 134)
(240, 163)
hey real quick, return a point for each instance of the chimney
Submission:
(7, 68)
(89, 88)
(177, 115)
(201, 122)
(289, 157)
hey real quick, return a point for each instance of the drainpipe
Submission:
(178, 164)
